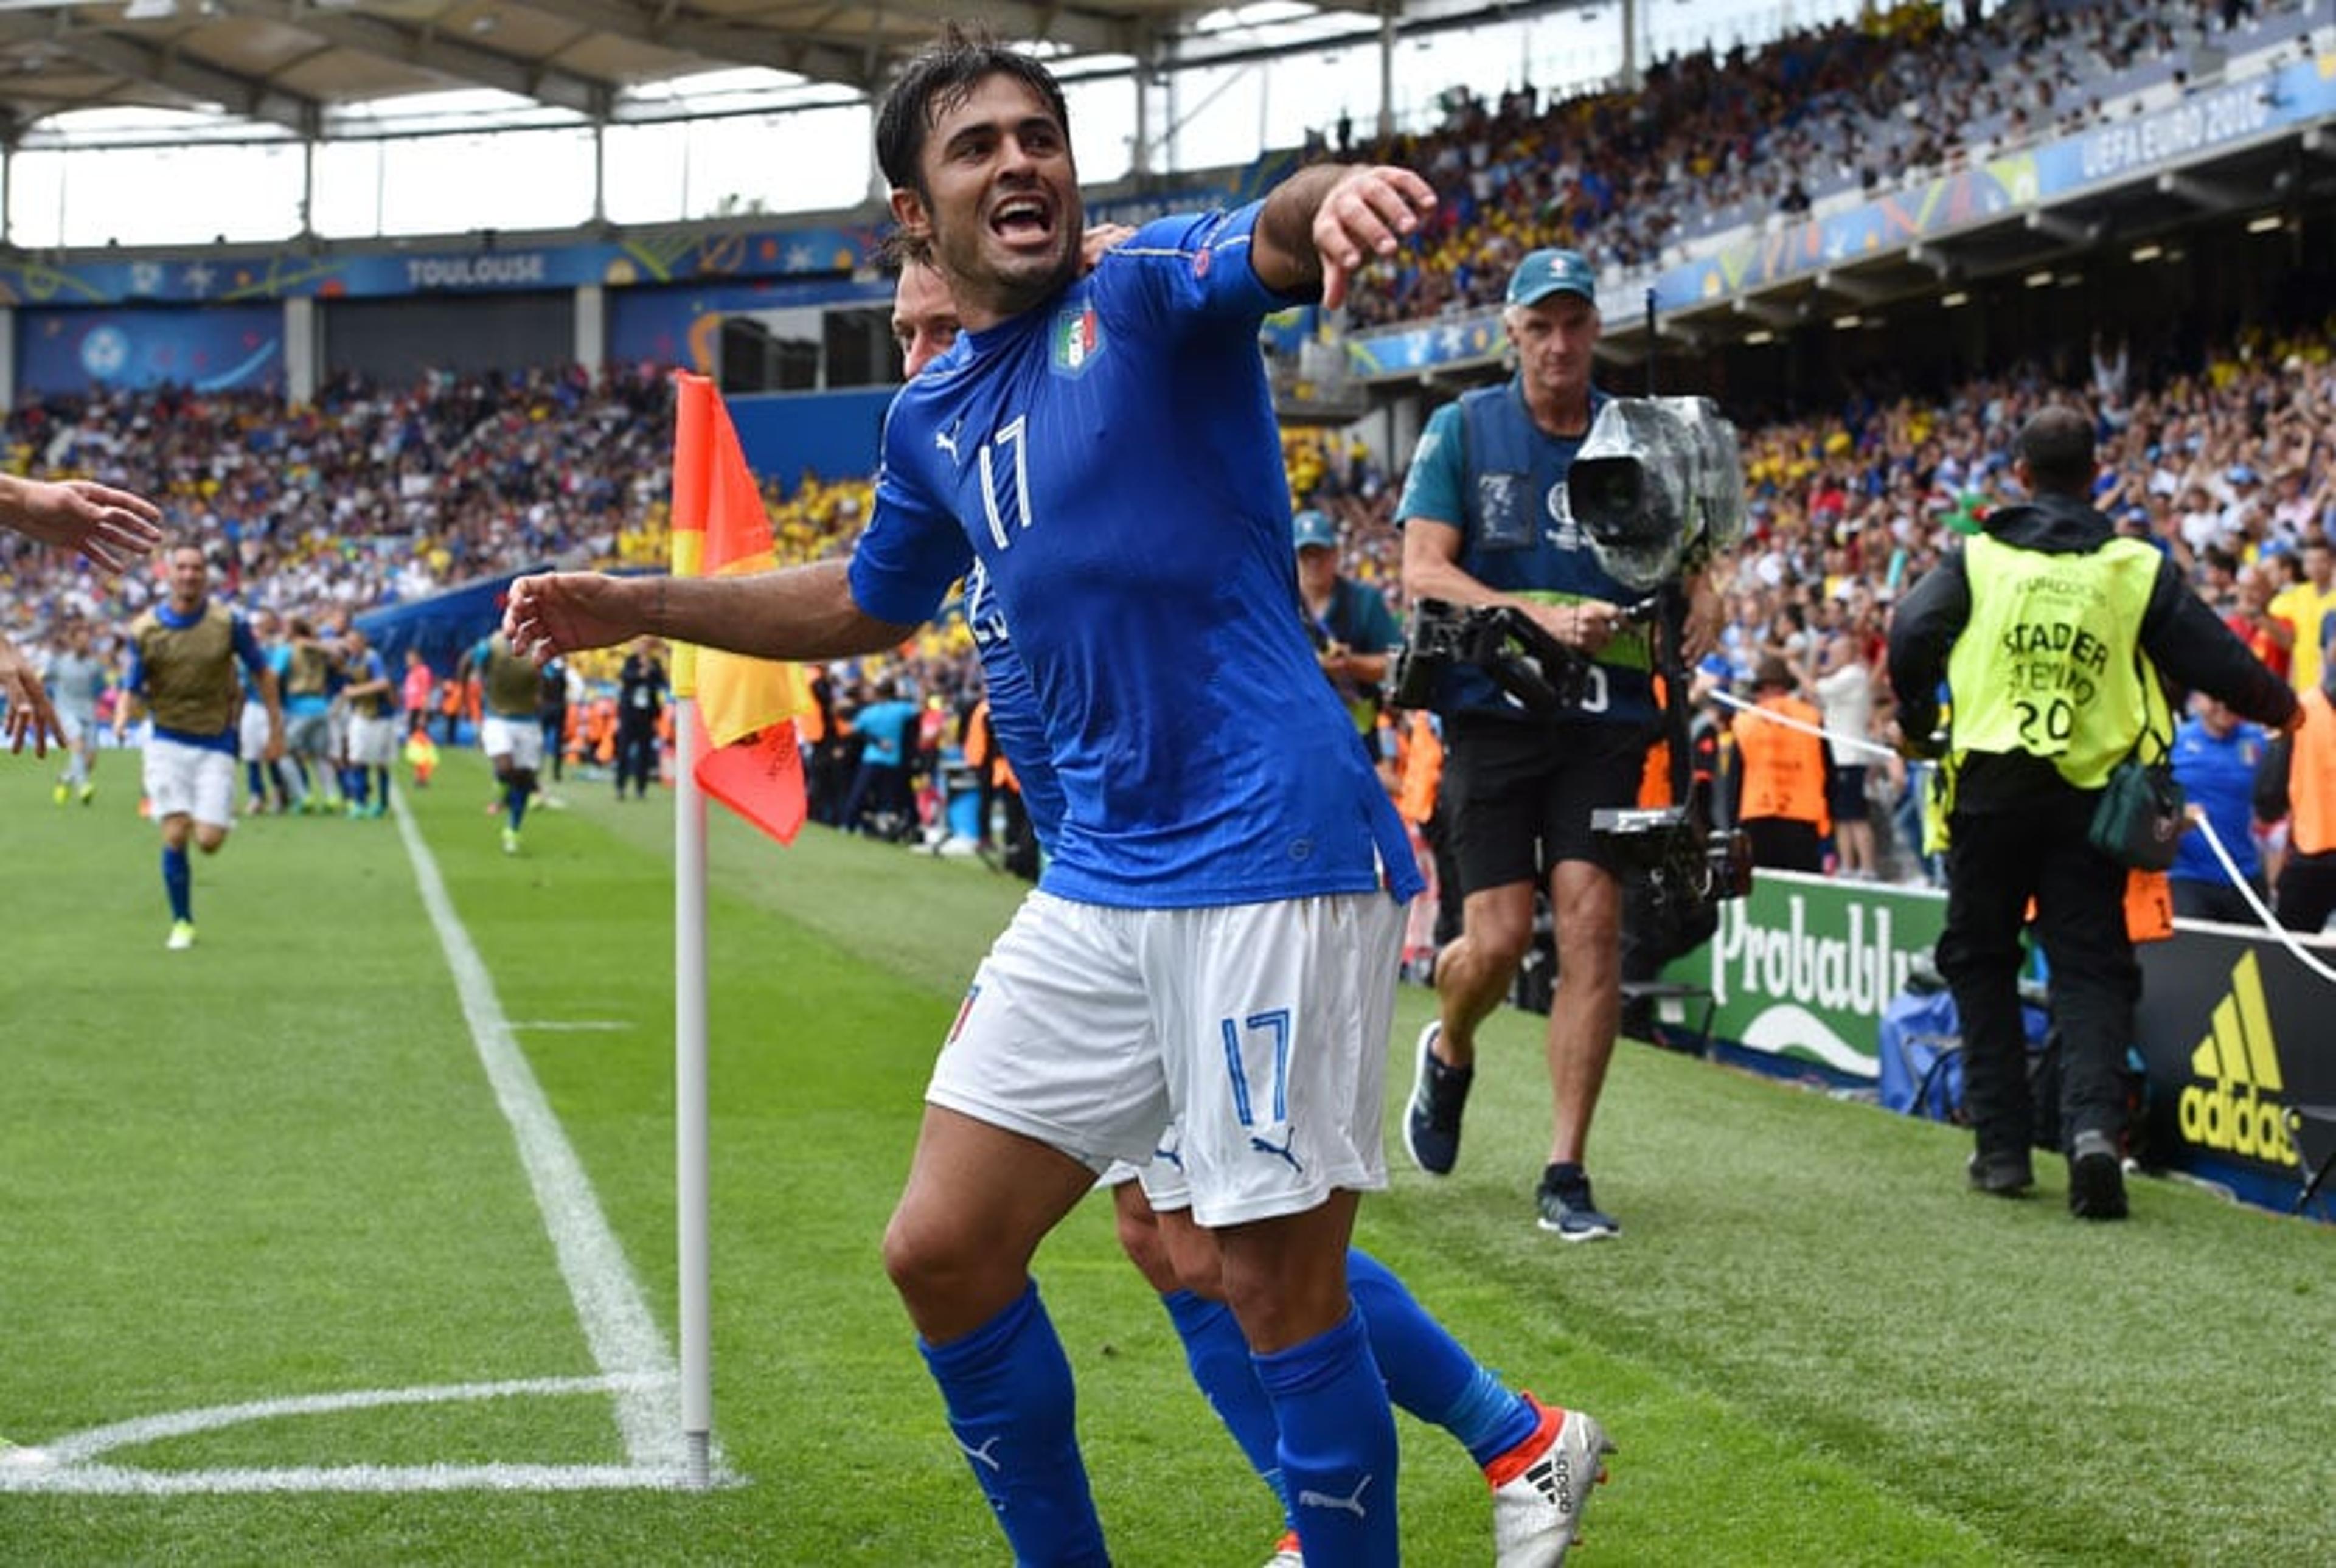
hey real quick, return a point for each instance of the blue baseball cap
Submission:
(1311, 529)
(1546, 272)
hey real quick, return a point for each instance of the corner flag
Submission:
(749, 760)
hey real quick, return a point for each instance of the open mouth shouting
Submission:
(1026, 221)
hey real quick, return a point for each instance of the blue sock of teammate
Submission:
(356, 784)
(515, 802)
(252, 780)
(1338, 1446)
(1427, 1372)
(381, 786)
(1007, 1387)
(178, 882)
(1219, 1358)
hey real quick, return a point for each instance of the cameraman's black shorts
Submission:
(1518, 796)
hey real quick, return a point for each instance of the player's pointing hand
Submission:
(561, 612)
(1366, 214)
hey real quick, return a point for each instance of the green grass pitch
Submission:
(273, 1170)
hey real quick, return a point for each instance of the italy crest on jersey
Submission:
(1078, 338)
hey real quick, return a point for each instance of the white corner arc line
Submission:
(623, 1336)
(83, 1447)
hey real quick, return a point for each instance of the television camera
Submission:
(1658, 488)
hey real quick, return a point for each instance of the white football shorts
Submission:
(1261, 1030)
(520, 739)
(252, 733)
(372, 742)
(190, 781)
(1166, 1187)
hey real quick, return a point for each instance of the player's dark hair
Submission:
(2056, 445)
(938, 79)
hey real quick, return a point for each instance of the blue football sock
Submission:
(356, 784)
(1007, 1386)
(178, 882)
(251, 778)
(381, 783)
(1427, 1371)
(515, 802)
(1338, 1446)
(1219, 1358)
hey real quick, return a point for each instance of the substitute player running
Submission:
(183, 654)
(76, 678)
(509, 732)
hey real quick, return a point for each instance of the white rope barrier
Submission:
(2286, 937)
(1840, 742)
(2270, 925)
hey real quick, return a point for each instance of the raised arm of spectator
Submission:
(801, 612)
(1322, 224)
(30, 716)
(113, 528)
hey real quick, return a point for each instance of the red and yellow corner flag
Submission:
(746, 706)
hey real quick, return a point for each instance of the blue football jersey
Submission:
(1014, 721)
(1112, 462)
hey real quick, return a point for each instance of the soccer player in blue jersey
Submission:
(1217, 928)
(1429, 1373)
(183, 654)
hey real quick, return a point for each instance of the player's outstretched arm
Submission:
(797, 612)
(29, 715)
(111, 527)
(1322, 223)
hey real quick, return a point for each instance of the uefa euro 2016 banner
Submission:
(1801, 970)
(2205, 122)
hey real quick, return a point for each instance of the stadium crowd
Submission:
(1712, 142)
(372, 496)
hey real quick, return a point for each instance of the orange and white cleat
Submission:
(1541, 1487)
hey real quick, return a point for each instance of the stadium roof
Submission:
(300, 65)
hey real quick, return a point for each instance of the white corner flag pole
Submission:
(689, 1094)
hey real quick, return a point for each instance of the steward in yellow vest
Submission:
(2051, 635)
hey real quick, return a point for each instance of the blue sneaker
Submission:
(1431, 1126)
(1567, 1209)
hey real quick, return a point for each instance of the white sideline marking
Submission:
(624, 1338)
(634, 1365)
(64, 1467)
(570, 1025)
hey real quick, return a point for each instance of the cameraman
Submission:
(1486, 520)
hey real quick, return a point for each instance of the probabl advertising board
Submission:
(2233, 1027)
(1803, 967)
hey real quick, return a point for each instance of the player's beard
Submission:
(985, 271)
